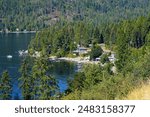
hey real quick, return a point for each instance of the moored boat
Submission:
(9, 56)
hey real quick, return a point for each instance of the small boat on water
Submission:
(9, 56)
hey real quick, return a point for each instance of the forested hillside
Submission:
(130, 39)
(37, 14)
(63, 39)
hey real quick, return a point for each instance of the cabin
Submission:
(81, 50)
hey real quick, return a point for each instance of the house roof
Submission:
(82, 48)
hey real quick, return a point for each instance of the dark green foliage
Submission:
(26, 81)
(142, 68)
(104, 59)
(130, 41)
(78, 82)
(123, 51)
(37, 14)
(97, 36)
(44, 85)
(147, 39)
(48, 87)
(113, 86)
(36, 82)
(61, 40)
(91, 75)
(57, 41)
(132, 46)
(108, 68)
(109, 88)
(96, 51)
(5, 86)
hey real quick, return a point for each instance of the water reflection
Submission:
(10, 44)
(62, 70)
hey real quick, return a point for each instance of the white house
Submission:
(81, 50)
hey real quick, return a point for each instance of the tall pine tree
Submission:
(123, 51)
(26, 81)
(5, 86)
(44, 86)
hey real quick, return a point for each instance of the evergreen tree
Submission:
(96, 51)
(48, 87)
(123, 51)
(5, 86)
(78, 82)
(104, 59)
(97, 35)
(44, 86)
(26, 81)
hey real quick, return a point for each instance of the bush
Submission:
(96, 51)
(60, 53)
(78, 81)
(104, 59)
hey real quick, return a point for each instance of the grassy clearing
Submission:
(140, 93)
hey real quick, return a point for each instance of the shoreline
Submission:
(77, 60)
(20, 32)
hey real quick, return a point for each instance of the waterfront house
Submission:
(81, 50)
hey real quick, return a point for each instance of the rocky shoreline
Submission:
(76, 59)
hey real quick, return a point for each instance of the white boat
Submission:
(26, 52)
(9, 56)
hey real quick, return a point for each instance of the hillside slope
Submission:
(140, 93)
(37, 14)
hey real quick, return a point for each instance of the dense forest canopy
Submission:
(37, 14)
(63, 39)
(130, 39)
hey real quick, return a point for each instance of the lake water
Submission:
(10, 44)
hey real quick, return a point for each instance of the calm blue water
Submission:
(10, 44)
